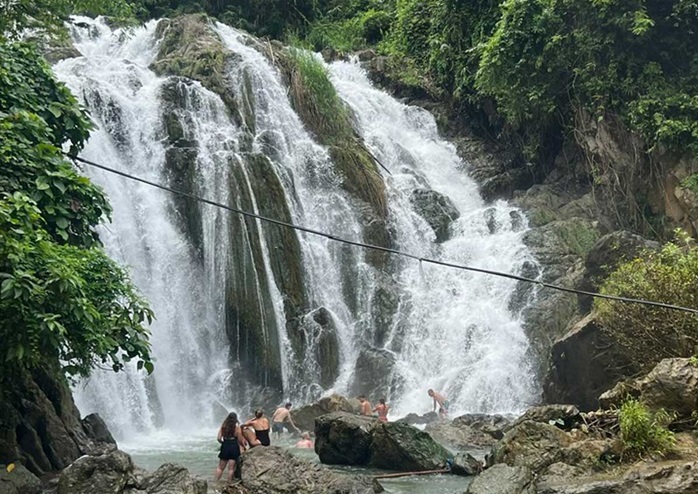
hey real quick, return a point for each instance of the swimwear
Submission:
(230, 450)
(278, 427)
(446, 405)
(263, 437)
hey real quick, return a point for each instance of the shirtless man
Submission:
(441, 402)
(365, 406)
(279, 418)
(305, 442)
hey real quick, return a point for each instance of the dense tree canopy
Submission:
(61, 297)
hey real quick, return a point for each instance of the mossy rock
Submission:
(400, 446)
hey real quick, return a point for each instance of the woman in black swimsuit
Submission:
(261, 426)
(231, 440)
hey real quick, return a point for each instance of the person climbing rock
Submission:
(382, 410)
(260, 429)
(305, 442)
(282, 419)
(439, 401)
(365, 406)
(232, 441)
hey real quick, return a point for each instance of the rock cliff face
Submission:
(40, 425)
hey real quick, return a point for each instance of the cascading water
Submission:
(454, 331)
(208, 273)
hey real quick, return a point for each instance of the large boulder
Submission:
(173, 479)
(465, 464)
(640, 478)
(305, 417)
(275, 470)
(106, 474)
(400, 446)
(435, 208)
(584, 363)
(671, 385)
(343, 438)
(468, 431)
(503, 479)
(18, 480)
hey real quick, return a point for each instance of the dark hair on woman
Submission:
(382, 401)
(258, 413)
(228, 428)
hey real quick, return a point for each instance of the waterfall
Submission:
(312, 307)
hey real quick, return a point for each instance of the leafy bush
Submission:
(643, 432)
(648, 334)
(61, 297)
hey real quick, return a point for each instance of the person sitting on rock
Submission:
(282, 419)
(260, 429)
(382, 410)
(439, 401)
(365, 406)
(232, 441)
(305, 442)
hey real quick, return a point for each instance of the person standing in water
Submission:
(365, 406)
(281, 418)
(260, 433)
(382, 410)
(305, 442)
(441, 402)
(232, 441)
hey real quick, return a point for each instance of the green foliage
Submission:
(49, 15)
(648, 334)
(315, 95)
(643, 432)
(61, 297)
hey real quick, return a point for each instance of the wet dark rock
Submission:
(414, 418)
(315, 333)
(584, 363)
(172, 479)
(274, 470)
(373, 371)
(400, 446)
(437, 209)
(305, 417)
(18, 481)
(96, 429)
(466, 465)
(503, 479)
(343, 438)
(468, 431)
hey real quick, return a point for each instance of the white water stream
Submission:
(452, 330)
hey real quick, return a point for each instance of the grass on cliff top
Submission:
(315, 96)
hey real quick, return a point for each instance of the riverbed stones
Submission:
(414, 418)
(400, 446)
(343, 438)
(503, 479)
(274, 470)
(465, 464)
(563, 415)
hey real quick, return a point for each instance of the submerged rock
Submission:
(343, 438)
(274, 470)
(400, 446)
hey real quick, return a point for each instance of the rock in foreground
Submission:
(273, 470)
(399, 446)
(343, 438)
(502, 479)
